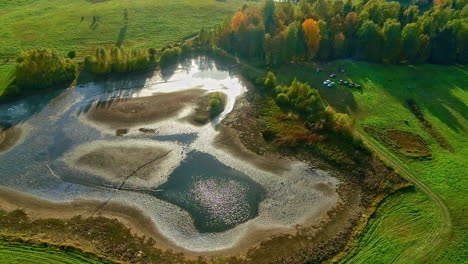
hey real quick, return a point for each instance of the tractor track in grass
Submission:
(443, 233)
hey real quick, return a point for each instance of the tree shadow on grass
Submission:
(431, 86)
(122, 35)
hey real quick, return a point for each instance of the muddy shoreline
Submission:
(141, 225)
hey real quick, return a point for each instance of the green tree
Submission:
(424, 51)
(444, 47)
(411, 14)
(269, 16)
(325, 46)
(391, 32)
(410, 41)
(292, 39)
(370, 41)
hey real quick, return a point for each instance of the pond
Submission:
(133, 141)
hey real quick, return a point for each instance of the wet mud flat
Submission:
(9, 137)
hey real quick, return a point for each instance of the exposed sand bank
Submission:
(142, 164)
(129, 112)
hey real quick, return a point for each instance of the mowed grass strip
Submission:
(18, 253)
(58, 24)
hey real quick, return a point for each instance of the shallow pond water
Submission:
(198, 197)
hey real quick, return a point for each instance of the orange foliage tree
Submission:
(238, 20)
(312, 36)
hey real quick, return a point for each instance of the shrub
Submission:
(270, 80)
(217, 103)
(71, 54)
(169, 56)
(43, 68)
(282, 99)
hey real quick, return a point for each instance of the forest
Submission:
(375, 31)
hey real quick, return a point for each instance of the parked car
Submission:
(333, 75)
(331, 84)
(326, 82)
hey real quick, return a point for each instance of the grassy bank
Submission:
(150, 23)
(440, 92)
(22, 252)
(5, 76)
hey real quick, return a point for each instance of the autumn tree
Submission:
(311, 36)
(238, 20)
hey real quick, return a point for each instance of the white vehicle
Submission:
(331, 84)
(326, 82)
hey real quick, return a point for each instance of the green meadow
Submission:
(150, 23)
(402, 229)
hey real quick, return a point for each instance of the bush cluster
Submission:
(43, 68)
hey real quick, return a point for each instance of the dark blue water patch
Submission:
(217, 197)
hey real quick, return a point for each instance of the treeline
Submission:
(120, 60)
(307, 103)
(39, 69)
(372, 30)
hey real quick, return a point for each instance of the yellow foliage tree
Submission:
(312, 36)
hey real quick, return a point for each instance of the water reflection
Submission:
(216, 196)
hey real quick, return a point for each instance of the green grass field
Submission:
(151, 23)
(19, 253)
(405, 224)
(5, 76)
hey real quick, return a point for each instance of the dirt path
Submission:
(443, 234)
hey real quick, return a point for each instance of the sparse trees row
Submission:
(119, 60)
(374, 30)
